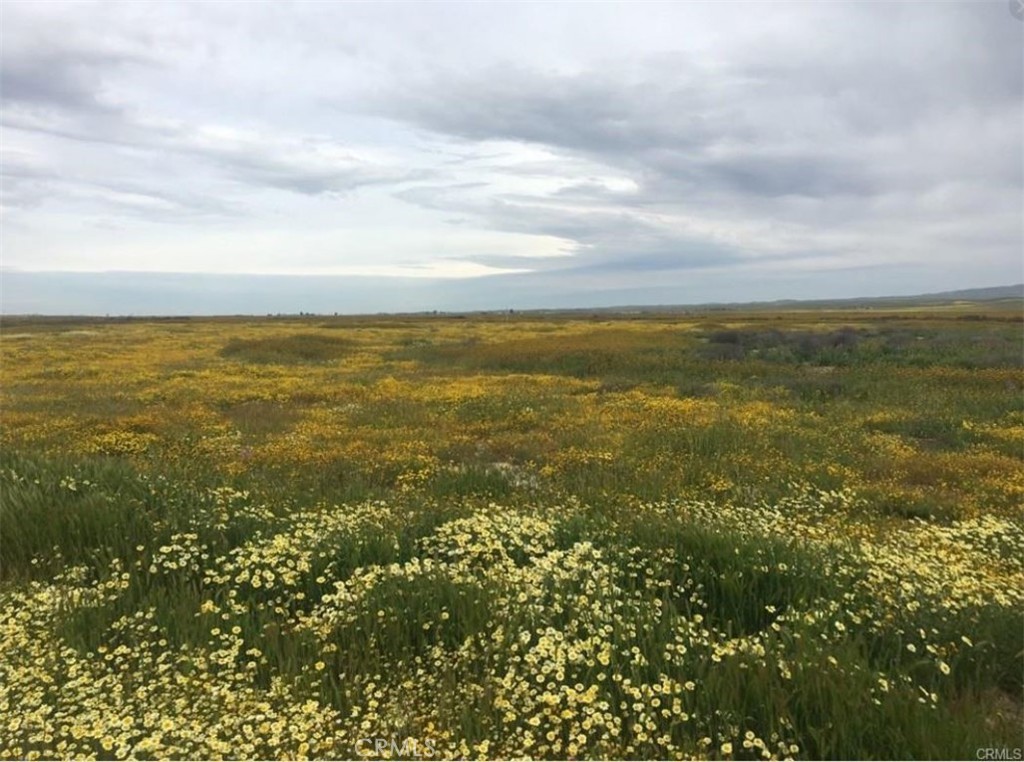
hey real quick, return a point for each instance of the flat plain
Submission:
(747, 534)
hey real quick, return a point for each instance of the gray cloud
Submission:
(833, 143)
(28, 181)
(64, 91)
(306, 166)
(299, 165)
(57, 78)
(807, 128)
(679, 142)
(597, 240)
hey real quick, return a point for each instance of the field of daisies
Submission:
(728, 536)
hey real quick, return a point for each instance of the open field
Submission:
(725, 535)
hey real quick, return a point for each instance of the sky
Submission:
(225, 157)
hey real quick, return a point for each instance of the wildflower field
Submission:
(736, 535)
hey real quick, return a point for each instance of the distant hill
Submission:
(989, 294)
(980, 294)
(965, 294)
(198, 294)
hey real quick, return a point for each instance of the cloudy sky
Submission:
(473, 155)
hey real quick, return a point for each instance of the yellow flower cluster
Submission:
(502, 539)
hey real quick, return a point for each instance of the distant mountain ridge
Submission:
(986, 294)
(182, 294)
(965, 294)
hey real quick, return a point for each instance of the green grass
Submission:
(298, 348)
(484, 552)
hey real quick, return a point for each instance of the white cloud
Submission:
(582, 145)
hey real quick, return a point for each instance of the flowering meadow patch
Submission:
(776, 536)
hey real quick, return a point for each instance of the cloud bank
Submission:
(575, 151)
